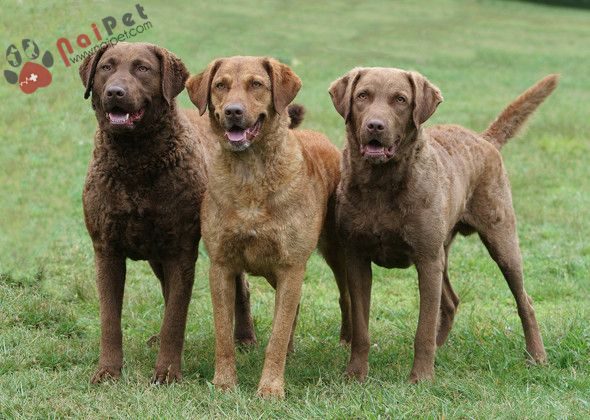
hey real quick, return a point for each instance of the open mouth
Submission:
(238, 135)
(118, 116)
(376, 149)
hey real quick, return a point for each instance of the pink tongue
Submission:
(374, 148)
(236, 135)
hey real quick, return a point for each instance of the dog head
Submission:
(245, 95)
(132, 85)
(384, 108)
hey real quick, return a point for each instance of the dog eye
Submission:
(106, 67)
(362, 95)
(256, 84)
(142, 68)
(400, 99)
(219, 85)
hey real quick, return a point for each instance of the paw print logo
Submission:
(32, 75)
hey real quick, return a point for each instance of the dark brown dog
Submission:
(407, 191)
(269, 200)
(143, 193)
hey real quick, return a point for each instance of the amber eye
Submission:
(142, 68)
(219, 85)
(400, 99)
(106, 67)
(362, 95)
(256, 84)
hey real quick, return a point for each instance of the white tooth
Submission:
(126, 117)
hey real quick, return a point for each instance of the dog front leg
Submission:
(430, 274)
(223, 295)
(359, 277)
(288, 294)
(110, 282)
(179, 274)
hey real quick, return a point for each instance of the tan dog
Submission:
(270, 199)
(142, 195)
(407, 191)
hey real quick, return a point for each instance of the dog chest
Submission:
(257, 237)
(141, 223)
(378, 233)
(273, 243)
(257, 253)
(386, 248)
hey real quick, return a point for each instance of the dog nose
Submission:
(115, 90)
(234, 110)
(375, 125)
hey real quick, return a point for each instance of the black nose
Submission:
(375, 125)
(234, 110)
(115, 90)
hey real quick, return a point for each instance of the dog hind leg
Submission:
(244, 333)
(502, 244)
(448, 304)
(334, 255)
(492, 215)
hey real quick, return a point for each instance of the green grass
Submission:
(480, 53)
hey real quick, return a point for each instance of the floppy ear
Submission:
(172, 72)
(341, 91)
(426, 98)
(199, 86)
(285, 83)
(88, 69)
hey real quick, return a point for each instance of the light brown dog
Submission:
(143, 193)
(269, 201)
(407, 191)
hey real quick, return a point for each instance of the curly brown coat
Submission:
(143, 191)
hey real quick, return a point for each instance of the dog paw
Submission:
(357, 371)
(246, 343)
(420, 376)
(32, 76)
(345, 341)
(166, 375)
(225, 377)
(225, 383)
(345, 336)
(537, 357)
(441, 336)
(244, 334)
(104, 374)
(271, 390)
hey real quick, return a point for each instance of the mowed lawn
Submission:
(480, 53)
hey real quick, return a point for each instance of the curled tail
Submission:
(296, 113)
(511, 120)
